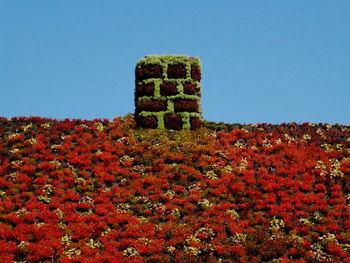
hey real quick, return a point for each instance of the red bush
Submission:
(119, 195)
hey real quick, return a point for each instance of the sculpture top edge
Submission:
(169, 59)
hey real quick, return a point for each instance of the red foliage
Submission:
(195, 73)
(185, 105)
(145, 89)
(148, 71)
(176, 71)
(151, 106)
(190, 89)
(173, 122)
(168, 89)
(98, 190)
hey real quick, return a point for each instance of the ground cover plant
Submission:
(104, 191)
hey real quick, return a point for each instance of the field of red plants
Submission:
(104, 191)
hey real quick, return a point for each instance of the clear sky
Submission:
(262, 61)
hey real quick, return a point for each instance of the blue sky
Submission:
(262, 61)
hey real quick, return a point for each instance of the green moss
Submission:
(185, 120)
(173, 97)
(150, 80)
(199, 106)
(170, 106)
(169, 59)
(151, 98)
(160, 118)
(220, 126)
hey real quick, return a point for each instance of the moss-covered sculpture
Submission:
(168, 92)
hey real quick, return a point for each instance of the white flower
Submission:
(130, 252)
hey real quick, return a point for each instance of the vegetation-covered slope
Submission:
(104, 191)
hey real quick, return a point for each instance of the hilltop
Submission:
(106, 191)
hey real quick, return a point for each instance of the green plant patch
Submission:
(169, 59)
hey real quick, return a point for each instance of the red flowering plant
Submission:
(102, 191)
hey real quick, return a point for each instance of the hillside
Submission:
(104, 191)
